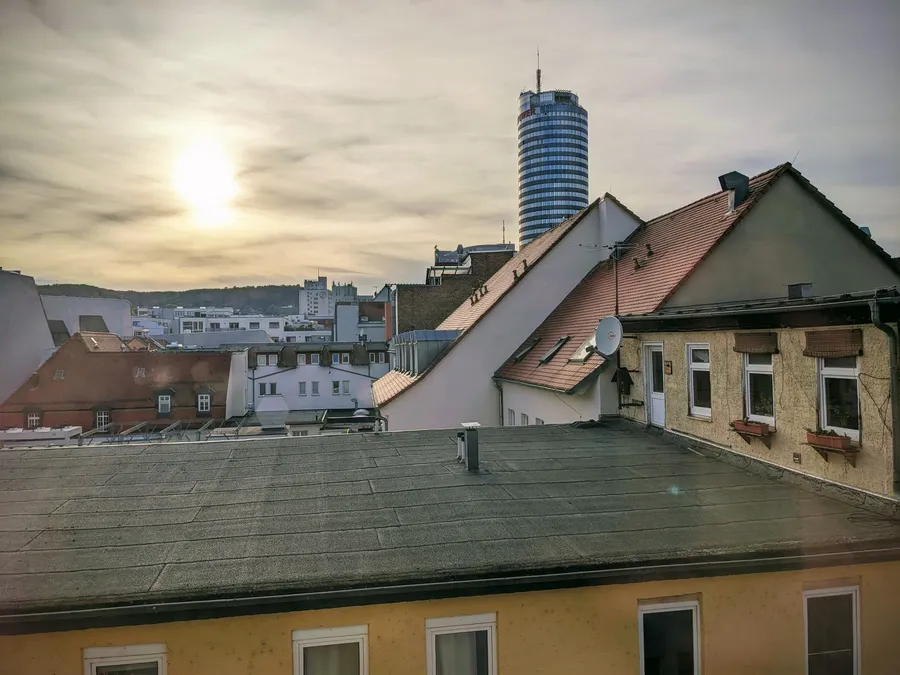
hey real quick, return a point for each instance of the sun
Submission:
(204, 177)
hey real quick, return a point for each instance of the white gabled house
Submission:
(444, 379)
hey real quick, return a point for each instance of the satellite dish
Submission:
(608, 336)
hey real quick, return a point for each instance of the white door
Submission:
(653, 383)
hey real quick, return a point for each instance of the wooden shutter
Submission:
(756, 343)
(833, 343)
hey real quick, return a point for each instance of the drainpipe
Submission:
(500, 389)
(895, 383)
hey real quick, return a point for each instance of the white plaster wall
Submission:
(25, 340)
(460, 388)
(288, 385)
(599, 399)
(115, 312)
(236, 397)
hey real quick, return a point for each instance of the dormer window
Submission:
(585, 350)
(164, 404)
(204, 403)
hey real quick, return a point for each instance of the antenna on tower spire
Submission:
(539, 70)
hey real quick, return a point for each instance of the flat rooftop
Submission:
(96, 526)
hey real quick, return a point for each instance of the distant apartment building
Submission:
(455, 275)
(273, 325)
(362, 321)
(315, 298)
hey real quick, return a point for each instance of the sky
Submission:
(171, 145)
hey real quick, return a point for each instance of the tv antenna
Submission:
(504, 232)
(539, 70)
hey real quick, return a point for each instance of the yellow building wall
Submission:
(796, 402)
(749, 624)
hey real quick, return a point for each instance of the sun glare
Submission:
(204, 178)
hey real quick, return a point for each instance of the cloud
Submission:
(362, 135)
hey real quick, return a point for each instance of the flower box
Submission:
(755, 428)
(828, 441)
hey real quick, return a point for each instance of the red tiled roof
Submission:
(679, 241)
(468, 314)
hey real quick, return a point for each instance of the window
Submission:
(271, 389)
(524, 418)
(215, 325)
(335, 359)
(372, 357)
(538, 420)
(164, 403)
(303, 388)
(554, 349)
(262, 359)
(345, 387)
(131, 660)
(839, 395)
(759, 388)
(140, 372)
(670, 638)
(301, 358)
(315, 388)
(273, 324)
(203, 403)
(585, 350)
(331, 651)
(234, 326)
(59, 375)
(523, 352)
(464, 645)
(262, 388)
(832, 631)
(511, 417)
(101, 418)
(254, 324)
(335, 388)
(345, 358)
(380, 357)
(698, 380)
(33, 420)
(314, 359)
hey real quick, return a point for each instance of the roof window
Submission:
(554, 349)
(525, 350)
(585, 350)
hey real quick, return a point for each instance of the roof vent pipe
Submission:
(467, 445)
(739, 186)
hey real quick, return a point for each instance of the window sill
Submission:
(700, 418)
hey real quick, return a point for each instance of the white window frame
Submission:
(381, 357)
(124, 656)
(373, 357)
(345, 358)
(510, 417)
(302, 389)
(204, 403)
(315, 388)
(262, 360)
(33, 417)
(461, 624)
(335, 359)
(301, 358)
(314, 359)
(320, 637)
(759, 370)
(838, 374)
(273, 387)
(335, 387)
(821, 592)
(345, 387)
(167, 398)
(697, 411)
(524, 419)
(60, 374)
(97, 415)
(657, 608)
(538, 420)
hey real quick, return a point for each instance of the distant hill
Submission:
(247, 299)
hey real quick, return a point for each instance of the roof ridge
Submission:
(696, 202)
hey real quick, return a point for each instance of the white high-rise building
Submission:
(315, 298)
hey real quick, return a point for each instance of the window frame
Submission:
(538, 421)
(124, 656)
(838, 374)
(698, 411)
(335, 359)
(523, 419)
(159, 404)
(314, 359)
(510, 417)
(321, 637)
(97, 414)
(373, 357)
(335, 387)
(757, 369)
(345, 358)
(59, 374)
(29, 416)
(314, 389)
(345, 387)
(461, 624)
(674, 606)
(302, 389)
(201, 398)
(824, 592)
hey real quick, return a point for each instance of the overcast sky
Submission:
(364, 133)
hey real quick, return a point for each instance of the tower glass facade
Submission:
(553, 160)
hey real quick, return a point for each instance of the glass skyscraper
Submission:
(553, 160)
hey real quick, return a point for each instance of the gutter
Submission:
(895, 383)
(164, 611)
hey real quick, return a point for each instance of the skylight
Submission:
(554, 349)
(585, 350)
(526, 348)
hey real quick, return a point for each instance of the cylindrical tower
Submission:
(553, 160)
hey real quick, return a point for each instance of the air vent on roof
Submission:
(798, 291)
(739, 186)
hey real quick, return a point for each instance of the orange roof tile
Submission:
(468, 313)
(679, 241)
